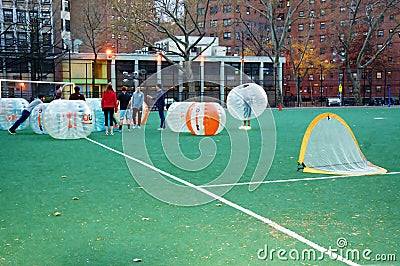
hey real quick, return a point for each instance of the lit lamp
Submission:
(21, 86)
(159, 61)
(109, 53)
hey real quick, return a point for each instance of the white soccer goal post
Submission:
(17, 88)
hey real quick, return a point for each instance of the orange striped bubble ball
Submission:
(205, 118)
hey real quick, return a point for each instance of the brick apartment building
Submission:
(230, 21)
(322, 22)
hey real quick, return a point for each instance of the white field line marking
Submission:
(236, 206)
(293, 180)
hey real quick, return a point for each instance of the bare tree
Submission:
(179, 21)
(279, 24)
(359, 36)
(94, 29)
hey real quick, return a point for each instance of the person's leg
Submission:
(139, 116)
(121, 118)
(128, 118)
(162, 118)
(114, 119)
(111, 121)
(25, 114)
(134, 112)
(106, 119)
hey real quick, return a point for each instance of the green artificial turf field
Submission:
(87, 201)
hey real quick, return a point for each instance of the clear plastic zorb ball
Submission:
(65, 119)
(36, 119)
(247, 101)
(10, 110)
(95, 106)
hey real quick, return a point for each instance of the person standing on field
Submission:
(124, 112)
(109, 105)
(160, 104)
(137, 106)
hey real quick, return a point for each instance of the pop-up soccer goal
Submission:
(330, 147)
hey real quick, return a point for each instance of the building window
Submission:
(390, 59)
(213, 23)
(301, 14)
(312, 13)
(311, 77)
(380, 33)
(200, 24)
(227, 22)
(312, 25)
(33, 15)
(391, 17)
(342, 9)
(67, 25)
(248, 10)
(213, 34)
(322, 38)
(21, 16)
(312, 1)
(237, 35)
(9, 38)
(322, 25)
(227, 8)
(227, 35)
(201, 11)
(22, 39)
(322, 50)
(47, 39)
(228, 49)
(46, 17)
(323, 12)
(66, 6)
(301, 27)
(342, 23)
(378, 89)
(213, 10)
(378, 75)
(237, 9)
(8, 15)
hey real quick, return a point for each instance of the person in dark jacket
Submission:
(77, 95)
(160, 104)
